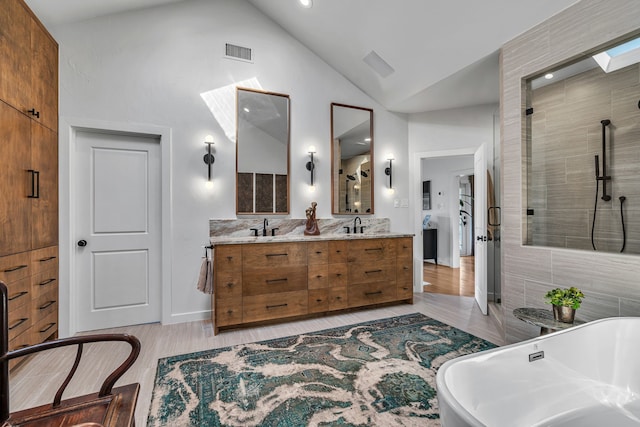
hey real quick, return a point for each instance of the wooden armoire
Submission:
(29, 175)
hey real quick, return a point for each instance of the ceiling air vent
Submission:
(240, 53)
(378, 64)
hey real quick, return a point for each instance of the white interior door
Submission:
(118, 229)
(480, 226)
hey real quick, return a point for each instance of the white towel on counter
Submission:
(205, 279)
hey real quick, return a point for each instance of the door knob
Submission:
(82, 243)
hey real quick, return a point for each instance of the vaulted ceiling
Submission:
(435, 54)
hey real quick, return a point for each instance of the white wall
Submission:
(443, 174)
(150, 67)
(438, 134)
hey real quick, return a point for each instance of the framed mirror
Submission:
(351, 159)
(262, 152)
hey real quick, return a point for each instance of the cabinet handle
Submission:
(318, 252)
(373, 271)
(405, 268)
(12, 269)
(338, 274)
(318, 300)
(270, 255)
(47, 259)
(46, 304)
(269, 307)
(372, 293)
(35, 184)
(230, 285)
(18, 323)
(49, 326)
(18, 295)
(46, 282)
(34, 113)
(319, 276)
(373, 249)
(276, 280)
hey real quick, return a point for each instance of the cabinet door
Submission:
(44, 155)
(15, 182)
(15, 51)
(44, 76)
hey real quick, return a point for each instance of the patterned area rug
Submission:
(379, 373)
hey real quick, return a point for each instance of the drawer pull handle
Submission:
(372, 293)
(230, 285)
(338, 298)
(338, 274)
(319, 276)
(270, 255)
(276, 280)
(229, 258)
(46, 282)
(318, 300)
(22, 346)
(47, 259)
(18, 295)
(49, 326)
(373, 271)
(18, 323)
(269, 307)
(318, 252)
(46, 304)
(229, 311)
(338, 251)
(373, 249)
(12, 269)
(405, 268)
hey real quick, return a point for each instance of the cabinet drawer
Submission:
(21, 341)
(338, 298)
(227, 258)
(371, 250)
(404, 248)
(19, 320)
(318, 253)
(371, 293)
(14, 267)
(228, 311)
(318, 276)
(337, 251)
(404, 271)
(266, 280)
(228, 285)
(372, 272)
(338, 274)
(44, 259)
(274, 306)
(19, 293)
(44, 282)
(45, 304)
(319, 300)
(404, 290)
(45, 328)
(270, 255)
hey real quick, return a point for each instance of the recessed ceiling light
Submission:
(548, 76)
(306, 3)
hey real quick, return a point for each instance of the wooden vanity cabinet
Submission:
(260, 282)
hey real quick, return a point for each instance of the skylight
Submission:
(619, 56)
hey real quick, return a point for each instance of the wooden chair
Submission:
(113, 407)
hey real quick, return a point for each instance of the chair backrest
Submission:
(6, 355)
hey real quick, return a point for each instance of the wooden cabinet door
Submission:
(44, 208)
(44, 76)
(15, 206)
(15, 54)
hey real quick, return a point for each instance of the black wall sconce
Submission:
(310, 164)
(209, 158)
(389, 170)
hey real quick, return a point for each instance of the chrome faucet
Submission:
(264, 226)
(355, 229)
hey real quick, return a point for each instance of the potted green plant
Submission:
(565, 302)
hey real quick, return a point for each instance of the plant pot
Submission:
(564, 314)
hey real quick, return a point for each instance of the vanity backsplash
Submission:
(287, 226)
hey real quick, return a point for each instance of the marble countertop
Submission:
(225, 240)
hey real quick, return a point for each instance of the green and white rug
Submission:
(379, 373)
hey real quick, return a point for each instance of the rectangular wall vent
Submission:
(233, 51)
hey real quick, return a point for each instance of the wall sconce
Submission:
(209, 158)
(389, 170)
(310, 165)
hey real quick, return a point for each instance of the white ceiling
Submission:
(444, 53)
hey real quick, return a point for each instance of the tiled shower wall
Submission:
(611, 281)
(566, 134)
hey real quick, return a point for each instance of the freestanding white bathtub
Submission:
(586, 376)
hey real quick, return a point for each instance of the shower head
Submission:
(605, 122)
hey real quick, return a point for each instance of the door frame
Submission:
(416, 185)
(69, 126)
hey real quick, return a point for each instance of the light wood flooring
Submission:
(35, 382)
(451, 281)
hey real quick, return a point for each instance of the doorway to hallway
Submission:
(442, 279)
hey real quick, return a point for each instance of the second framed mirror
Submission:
(351, 159)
